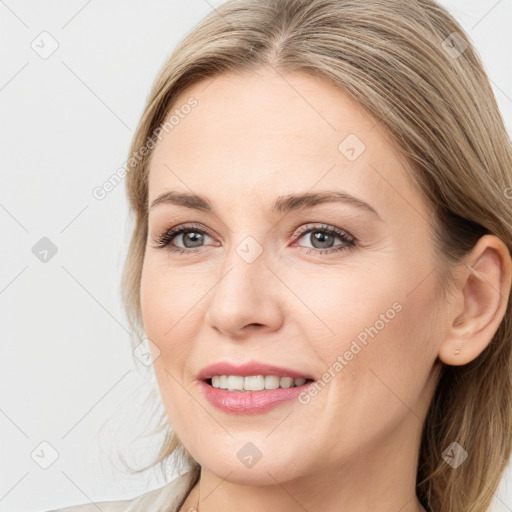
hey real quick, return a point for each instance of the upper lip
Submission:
(249, 368)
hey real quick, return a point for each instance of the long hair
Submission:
(410, 65)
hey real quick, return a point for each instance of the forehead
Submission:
(260, 134)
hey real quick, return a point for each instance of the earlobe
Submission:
(483, 288)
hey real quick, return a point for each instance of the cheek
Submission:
(397, 340)
(366, 324)
(167, 313)
(339, 305)
(170, 304)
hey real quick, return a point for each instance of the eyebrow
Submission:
(283, 204)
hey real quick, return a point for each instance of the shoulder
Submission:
(164, 499)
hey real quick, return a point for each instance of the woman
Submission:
(320, 261)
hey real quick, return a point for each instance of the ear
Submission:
(481, 295)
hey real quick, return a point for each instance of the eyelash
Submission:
(165, 239)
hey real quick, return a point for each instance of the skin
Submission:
(253, 137)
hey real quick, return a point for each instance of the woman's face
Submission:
(334, 290)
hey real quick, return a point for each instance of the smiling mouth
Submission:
(248, 384)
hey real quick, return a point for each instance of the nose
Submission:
(245, 297)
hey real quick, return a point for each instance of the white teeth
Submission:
(286, 382)
(271, 382)
(254, 382)
(235, 383)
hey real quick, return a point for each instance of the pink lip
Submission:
(250, 402)
(247, 369)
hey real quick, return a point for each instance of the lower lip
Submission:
(250, 402)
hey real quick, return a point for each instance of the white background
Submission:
(66, 367)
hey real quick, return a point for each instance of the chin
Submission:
(240, 469)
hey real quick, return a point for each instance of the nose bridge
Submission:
(247, 237)
(242, 294)
(243, 268)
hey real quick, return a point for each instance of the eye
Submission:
(191, 238)
(322, 239)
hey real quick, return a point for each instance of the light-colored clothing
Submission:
(164, 499)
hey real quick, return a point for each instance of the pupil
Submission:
(321, 238)
(195, 237)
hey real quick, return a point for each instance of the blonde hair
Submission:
(411, 66)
